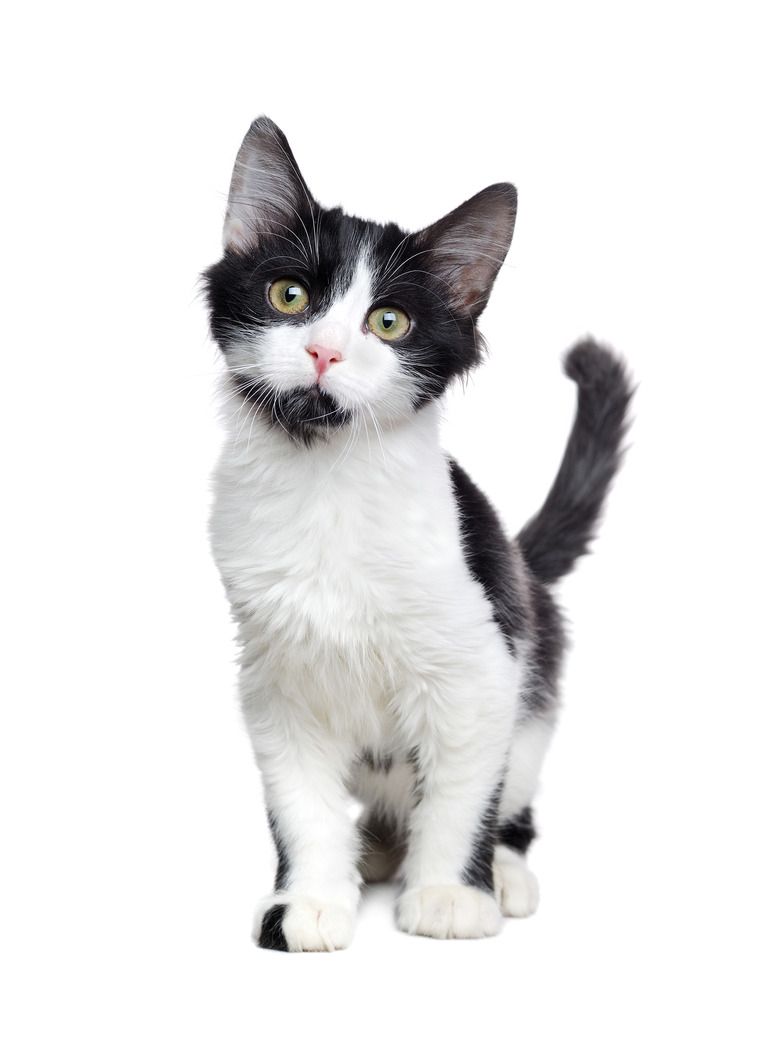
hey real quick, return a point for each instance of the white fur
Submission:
(361, 628)
(529, 746)
(310, 925)
(517, 889)
(370, 380)
(449, 912)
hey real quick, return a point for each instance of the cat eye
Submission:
(388, 323)
(288, 296)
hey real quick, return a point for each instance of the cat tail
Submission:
(561, 531)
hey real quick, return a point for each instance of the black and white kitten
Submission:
(396, 647)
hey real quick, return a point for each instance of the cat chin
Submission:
(305, 413)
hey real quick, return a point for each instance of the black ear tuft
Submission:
(466, 248)
(267, 189)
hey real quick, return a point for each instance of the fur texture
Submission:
(396, 646)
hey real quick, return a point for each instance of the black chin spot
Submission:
(308, 408)
(305, 413)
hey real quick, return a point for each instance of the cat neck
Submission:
(407, 444)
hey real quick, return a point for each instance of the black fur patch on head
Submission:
(321, 251)
(440, 277)
(440, 344)
(319, 248)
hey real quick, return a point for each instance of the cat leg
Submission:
(449, 879)
(516, 886)
(449, 891)
(317, 889)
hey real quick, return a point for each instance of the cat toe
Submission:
(449, 912)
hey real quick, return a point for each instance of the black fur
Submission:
(519, 832)
(489, 556)
(379, 763)
(440, 277)
(561, 531)
(439, 346)
(549, 644)
(522, 607)
(271, 934)
(479, 871)
(303, 413)
(282, 858)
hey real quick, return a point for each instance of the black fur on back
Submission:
(561, 531)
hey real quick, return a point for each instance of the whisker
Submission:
(375, 423)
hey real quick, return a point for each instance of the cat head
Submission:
(327, 320)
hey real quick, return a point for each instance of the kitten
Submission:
(396, 647)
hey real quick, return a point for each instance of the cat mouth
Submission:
(304, 411)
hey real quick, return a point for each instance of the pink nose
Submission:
(323, 357)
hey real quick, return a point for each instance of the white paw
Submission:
(448, 912)
(517, 889)
(291, 922)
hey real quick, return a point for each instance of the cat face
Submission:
(327, 320)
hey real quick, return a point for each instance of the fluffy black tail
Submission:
(560, 532)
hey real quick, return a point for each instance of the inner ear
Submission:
(466, 248)
(267, 190)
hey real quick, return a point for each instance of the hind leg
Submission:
(517, 889)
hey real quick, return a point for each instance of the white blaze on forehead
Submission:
(349, 309)
(370, 376)
(367, 377)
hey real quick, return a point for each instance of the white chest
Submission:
(344, 563)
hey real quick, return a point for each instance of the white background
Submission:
(643, 140)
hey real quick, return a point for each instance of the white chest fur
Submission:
(344, 566)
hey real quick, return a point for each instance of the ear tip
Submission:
(263, 123)
(262, 130)
(264, 138)
(504, 190)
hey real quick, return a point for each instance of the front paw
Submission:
(448, 912)
(292, 922)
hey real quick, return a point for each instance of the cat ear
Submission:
(267, 189)
(467, 247)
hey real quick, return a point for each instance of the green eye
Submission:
(388, 323)
(288, 296)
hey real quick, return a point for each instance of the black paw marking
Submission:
(272, 937)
